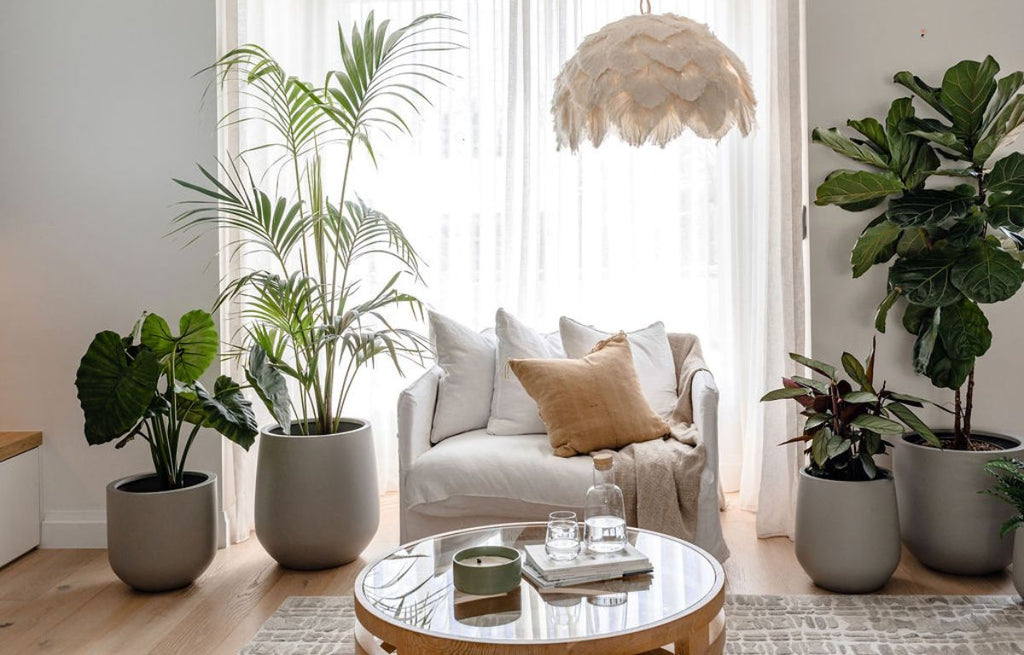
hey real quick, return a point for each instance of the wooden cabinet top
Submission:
(15, 443)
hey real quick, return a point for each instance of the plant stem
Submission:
(184, 455)
(958, 435)
(969, 409)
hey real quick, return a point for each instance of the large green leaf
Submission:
(1007, 174)
(190, 352)
(913, 241)
(922, 90)
(904, 413)
(936, 132)
(946, 372)
(784, 394)
(966, 90)
(856, 371)
(848, 148)
(968, 229)
(987, 273)
(827, 370)
(113, 389)
(964, 330)
(872, 129)
(927, 340)
(928, 207)
(876, 245)
(1007, 209)
(925, 279)
(1004, 130)
(902, 147)
(228, 412)
(1006, 89)
(877, 424)
(857, 189)
(915, 316)
(882, 313)
(269, 384)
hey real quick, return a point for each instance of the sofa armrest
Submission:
(704, 395)
(416, 416)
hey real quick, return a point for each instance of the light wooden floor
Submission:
(68, 601)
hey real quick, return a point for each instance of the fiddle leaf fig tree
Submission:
(950, 230)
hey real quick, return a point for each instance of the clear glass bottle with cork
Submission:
(604, 511)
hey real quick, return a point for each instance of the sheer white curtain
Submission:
(616, 236)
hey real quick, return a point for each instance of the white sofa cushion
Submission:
(466, 359)
(652, 357)
(495, 475)
(512, 409)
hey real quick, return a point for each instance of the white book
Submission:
(541, 582)
(586, 564)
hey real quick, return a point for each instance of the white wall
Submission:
(99, 110)
(853, 50)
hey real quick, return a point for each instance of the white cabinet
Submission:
(19, 504)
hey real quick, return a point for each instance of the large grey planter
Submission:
(161, 540)
(316, 497)
(946, 523)
(847, 533)
(1018, 561)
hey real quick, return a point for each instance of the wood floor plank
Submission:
(69, 601)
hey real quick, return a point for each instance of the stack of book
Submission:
(545, 572)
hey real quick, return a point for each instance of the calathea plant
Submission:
(955, 244)
(846, 426)
(1009, 488)
(310, 315)
(146, 384)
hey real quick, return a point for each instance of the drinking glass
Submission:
(562, 542)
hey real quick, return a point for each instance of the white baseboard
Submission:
(88, 529)
(74, 529)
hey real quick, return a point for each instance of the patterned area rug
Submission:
(755, 625)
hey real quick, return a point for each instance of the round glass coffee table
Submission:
(406, 602)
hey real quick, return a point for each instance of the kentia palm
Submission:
(956, 246)
(308, 318)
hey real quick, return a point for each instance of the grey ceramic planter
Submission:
(1018, 561)
(946, 523)
(847, 533)
(316, 497)
(161, 540)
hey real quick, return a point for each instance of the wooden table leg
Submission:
(695, 644)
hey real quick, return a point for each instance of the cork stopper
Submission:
(603, 461)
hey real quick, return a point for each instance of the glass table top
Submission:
(413, 588)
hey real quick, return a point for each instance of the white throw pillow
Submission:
(467, 361)
(512, 409)
(652, 357)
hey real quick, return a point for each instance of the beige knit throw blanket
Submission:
(660, 479)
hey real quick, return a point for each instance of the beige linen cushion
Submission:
(591, 403)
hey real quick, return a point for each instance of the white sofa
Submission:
(475, 478)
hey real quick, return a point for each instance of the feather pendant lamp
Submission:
(650, 77)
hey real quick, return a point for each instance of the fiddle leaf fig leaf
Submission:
(944, 371)
(964, 330)
(848, 148)
(922, 90)
(191, 352)
(925, 279)
(913, 241)
(871, 129)
(1007, 175)
(882, 313)
(929, 207)
(1007, 210)
(850, 189)
(1004, 130)
(875, 245)
(1006, 88)
(925, 343)
(966, 90)
(936, 132)
(114, 390)
(986, 273)
(915, 316)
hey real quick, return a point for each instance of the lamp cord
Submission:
(648, 2)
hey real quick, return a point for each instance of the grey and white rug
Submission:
(755, 625)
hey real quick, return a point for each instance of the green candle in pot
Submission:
(485, 570)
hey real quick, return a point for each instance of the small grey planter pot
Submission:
(847, 533)
(946, 523)
(161, 540)
(316, 497)
(1018, 561)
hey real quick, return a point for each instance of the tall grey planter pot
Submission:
(847, 533)
(946, 522)
(1018, 561)
(161, 540)
(316, 496)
